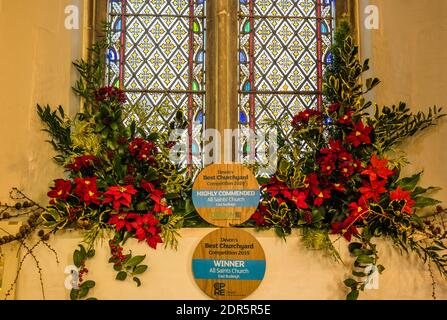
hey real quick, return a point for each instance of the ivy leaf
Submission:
(351, 283)
(140, 269)
(83, 292)
(354, 245)
(358, 274)
(121, 276)
(380, 268)
(353, 295)
(83, 252)
(88, 284)
(138, 281)
(77, 258)
(74, 294)
(365, 259)
(91, 253)
(136, 260)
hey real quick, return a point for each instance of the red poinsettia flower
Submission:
(145, 150)
(346, 118)
(345, 156)
(110, 95)
(258, 218)
(358, 209)
(152, 241)
(373, 189)
(61, 190)
(401, 195)
(147, 229)
(119, 195)
(297, 197)
(87, 191)
(135, 145)
(122, 220)
(304, 117)
(275, 187)
(158, 196)
(145, 225)
(321, 196)
(360, 134)
(338, 186)
(327, 165)
(334, 107)
(346, 168)
(335, 147)
(85, 161)
(345, 228)
(377, 168)
(312, 182)
(358, 166)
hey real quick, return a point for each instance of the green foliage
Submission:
(318, 239)
(80, 256)
(342, 78)
(91, 73)
(394, 125)
(128, 266)
(58, 126)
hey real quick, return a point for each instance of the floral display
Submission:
(339, 174)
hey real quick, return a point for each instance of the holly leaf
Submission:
(121, 276)
(353, 295)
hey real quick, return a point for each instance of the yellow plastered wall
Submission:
(408, 53)
(35, 67)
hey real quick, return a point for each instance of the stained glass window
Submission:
(283, 48)
(158, 59)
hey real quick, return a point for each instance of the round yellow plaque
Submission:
(229, 264)
(226, 194)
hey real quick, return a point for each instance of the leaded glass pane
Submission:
(158, 59)
(283, 47)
